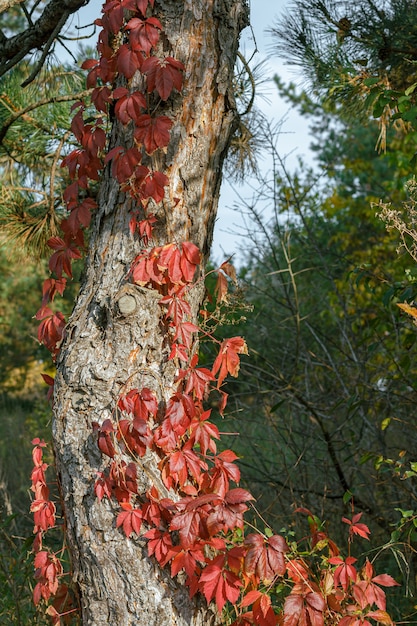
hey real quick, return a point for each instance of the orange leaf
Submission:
(408, 308)
(227, 361)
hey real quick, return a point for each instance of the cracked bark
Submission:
(114, 339)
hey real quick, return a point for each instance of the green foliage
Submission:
(33, 129)
(339, 46)
(34, 126)
(20, 419)
(332, 375)
(16, 574)
(22, 358)
(19, 301)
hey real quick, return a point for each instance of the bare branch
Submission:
(43, 32)
(46, 49)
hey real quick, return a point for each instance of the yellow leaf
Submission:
(408, 308)
(385, 423)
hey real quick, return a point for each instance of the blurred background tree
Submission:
(325, 408)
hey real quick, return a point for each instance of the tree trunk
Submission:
(115, 341)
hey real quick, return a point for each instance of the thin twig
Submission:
(46, 49)
(53, 171)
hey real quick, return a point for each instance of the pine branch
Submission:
(35, 105)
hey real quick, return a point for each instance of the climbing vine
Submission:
(196, 526)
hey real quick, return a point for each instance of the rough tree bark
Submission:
(115, 340)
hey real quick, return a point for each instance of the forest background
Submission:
(329, 390)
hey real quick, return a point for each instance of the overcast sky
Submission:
(293, 139)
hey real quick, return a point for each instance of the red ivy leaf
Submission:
(93, 139)
(227, 360)
(303, 607)
(184, 333)
(190, 259)
(136, 435)
(163, 75)
(145, 227)
(144, 33)
(61, 260)
(180, 411)
(355, 528)
(178, 351)
(137, 5)
(102, 486)
(124, 162)
(160, 545)
(81, 215)
(198, 379)
(223, 471)
(51, 287)
(385, 580)
(203, 432)
(101, 97)
(113, 18)
(180, 465)
(178, 308)
(43, 514)
(219, 584)
(186, 559)
(128, 61)
(366, 591)
(381, 617)
(154, 186)
(265, 557)
(130, 519)
(123, 478)
(228, 512)
(129, 106)
(165, 437)
(189, 521)
(140, 404)
(222, 287)
(153, 132)
(345, 573)
(262, 612)
(104, 438)
(50, 329)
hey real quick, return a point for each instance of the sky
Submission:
(293, 140)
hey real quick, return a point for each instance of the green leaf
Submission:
(410, 89)
(276, 406)
(369, 82)
(385, 423)
(347, 497)
(405, 514)
(367, 456)
(378, 461)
